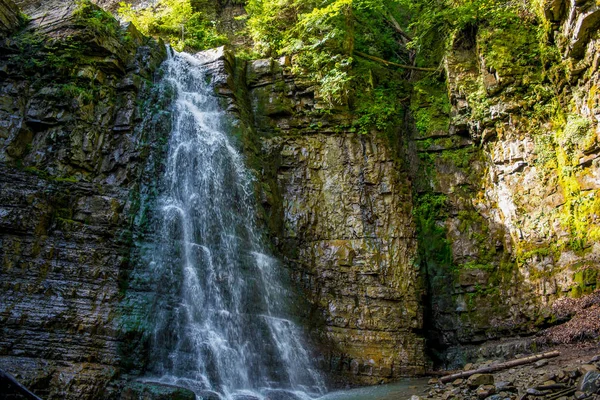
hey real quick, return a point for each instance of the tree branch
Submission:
(501, 366)
(385, 62)
(6, 378)
(396, 25)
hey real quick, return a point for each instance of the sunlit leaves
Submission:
(175, 20)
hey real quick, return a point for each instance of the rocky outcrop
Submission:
(9, 17)
(516, 177)
(340, 210)
(155, 391)
(348, 232)
(72, 155)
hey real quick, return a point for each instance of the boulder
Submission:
(505, 387)
(157, 391)
(590, 382)
(477, 380)
(280, 395)
(208, 395)
(245, 397)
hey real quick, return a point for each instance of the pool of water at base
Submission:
(402, 390)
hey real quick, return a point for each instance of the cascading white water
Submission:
(226, 331)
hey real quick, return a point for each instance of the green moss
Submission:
(576, 292)
(430, 213)
(46, 58)
(72, 90)
(512, 47)
(586, 281)
(430, 106)
(92, 17)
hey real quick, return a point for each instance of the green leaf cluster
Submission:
(321, 38)
(93, 17)
(185, 24)
(433, 24)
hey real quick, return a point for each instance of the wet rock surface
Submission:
(70, 160)
(340, 209)
(157, 391)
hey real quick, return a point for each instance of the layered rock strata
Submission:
(515, 180)
(72, 94)
(341, 209)
(9, 17)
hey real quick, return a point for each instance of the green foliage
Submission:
(86, 94)
(429, 213)
(430, 106)
(40, 56)
(434, 24)
(24, 18)
(378, 112)
(182, 23)
(322, 36)
(322, 41)
(95, 18)
(380, 99)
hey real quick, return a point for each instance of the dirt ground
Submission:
(573, 374)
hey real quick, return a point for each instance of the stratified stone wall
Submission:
(9, 17)
(71, 160)
(346, 228)
(517, 172)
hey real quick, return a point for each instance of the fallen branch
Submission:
(385, 62)
(501, 366)
(554, 386)
(6, 377)
(440, 373)
(566, 392)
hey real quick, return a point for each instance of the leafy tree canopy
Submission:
(183, 23)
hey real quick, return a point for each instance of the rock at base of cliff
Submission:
(155, 391)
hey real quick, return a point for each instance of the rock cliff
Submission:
(466, 227)
(512, 181)
(9, 17)
(344, 226)
(74, 88)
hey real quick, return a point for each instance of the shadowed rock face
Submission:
(9, 17)
(520, 217)
(70, 161)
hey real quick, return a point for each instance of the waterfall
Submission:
(225, 329)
